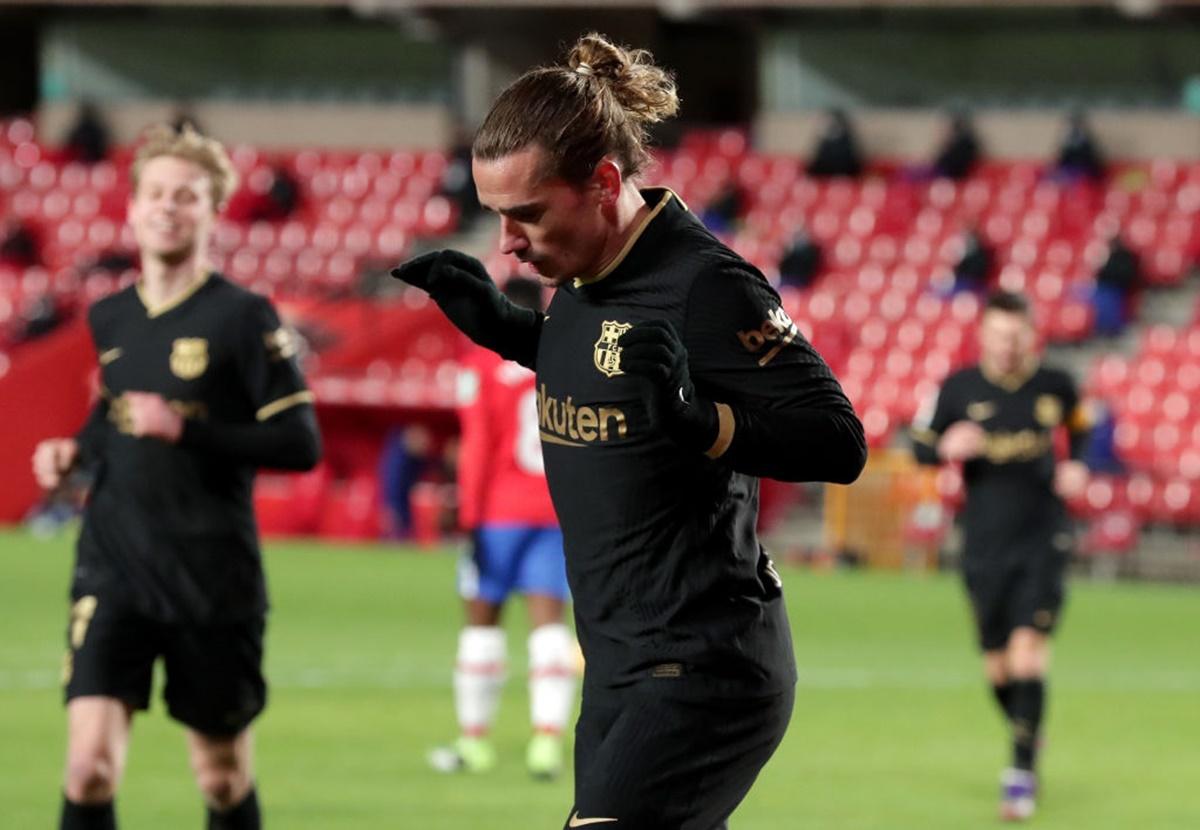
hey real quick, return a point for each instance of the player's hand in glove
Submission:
(653, 351)
(460, 285)
(462, 288)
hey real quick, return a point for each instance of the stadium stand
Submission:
(882, 309)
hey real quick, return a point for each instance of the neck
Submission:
(631, 209)
(163, 282)
(996, 372)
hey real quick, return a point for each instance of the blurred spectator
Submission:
(974, 267)
(458, 183)
(88, 139)
(115, 261)
(59, 508)
(405, 457)
(1117, 283)
(1079, 156)
(837, 152)
(960, 149)
(40, 316)
(19, 246)
(723, 211)
(1100, 454)
(283, 196)
(269, 196)
(801, 261)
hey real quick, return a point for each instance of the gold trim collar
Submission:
(153, 311)
(668, 195)
(1012, 381)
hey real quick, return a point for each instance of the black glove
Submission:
(653, 351)
(462, 288)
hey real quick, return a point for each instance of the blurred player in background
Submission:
(669, 379)
(199, 388)
(999, 420)
(516, 547)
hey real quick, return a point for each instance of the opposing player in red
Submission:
(516, 547)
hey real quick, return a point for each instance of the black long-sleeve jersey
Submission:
(1012, 509)
(170, 528)
(666, 571)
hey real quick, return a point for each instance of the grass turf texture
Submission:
(893, 726)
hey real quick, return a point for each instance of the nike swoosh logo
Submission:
(576, 821)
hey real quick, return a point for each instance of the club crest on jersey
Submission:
(1048, 411)
(607, 354)
(189, 357)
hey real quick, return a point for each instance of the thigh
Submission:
(223, 753)
(672, 763)
(989, 586)
(110, 652)
(494, 562)
(541, 568)
(598, 713)
(1039, 591)
(98, 727)
(215, 683)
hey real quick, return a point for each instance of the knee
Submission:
(1028, 657)
(223, 788)
(995, 669)
(91, 778)
(1028, 666)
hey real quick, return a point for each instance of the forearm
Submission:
(92, 435)
(517, 337)
(288, 441)
(511, 332)
(924, 446)
(794, 444)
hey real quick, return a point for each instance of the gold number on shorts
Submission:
(81, 617)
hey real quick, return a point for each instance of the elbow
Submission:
(849, 471)
(835, 452)
(304, 450)
(926, 458)
(309, 454)
(853, 456)
(310, 451)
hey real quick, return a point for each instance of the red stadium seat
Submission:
(1176, 503)
(352, 510)
(1112, 533)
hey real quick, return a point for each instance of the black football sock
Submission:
(77, 816)
(244, 816)
(1004, 695)
(1028, 703)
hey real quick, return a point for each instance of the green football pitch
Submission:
(893, 726)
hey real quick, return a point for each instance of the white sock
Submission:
(552, 658)
(479, 676)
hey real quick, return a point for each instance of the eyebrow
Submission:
(528, 207)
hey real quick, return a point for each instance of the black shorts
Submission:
(1019, 592)
(214, 674)
(653, 759)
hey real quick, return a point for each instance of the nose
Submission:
(512, 239)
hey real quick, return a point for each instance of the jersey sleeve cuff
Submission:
(726, 426)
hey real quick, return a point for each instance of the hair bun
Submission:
(645, 91)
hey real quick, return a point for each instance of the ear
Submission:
(607, 179)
